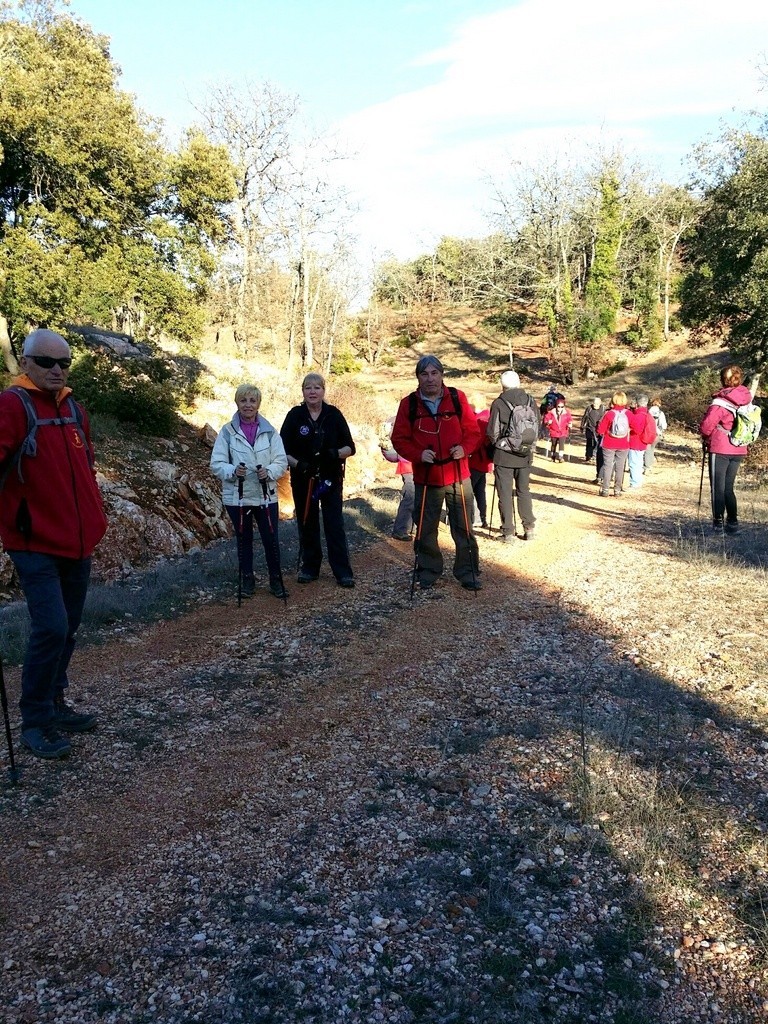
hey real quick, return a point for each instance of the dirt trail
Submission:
(269, 784)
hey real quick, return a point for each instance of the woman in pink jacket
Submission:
(558, 423)
(724, 458)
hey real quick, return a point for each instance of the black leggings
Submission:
(722, 476)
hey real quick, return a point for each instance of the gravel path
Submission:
(541, 802)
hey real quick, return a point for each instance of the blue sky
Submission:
(436, 97)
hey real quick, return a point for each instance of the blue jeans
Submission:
(635, 461)
(55, 590)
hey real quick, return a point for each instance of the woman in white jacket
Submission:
(249, 458)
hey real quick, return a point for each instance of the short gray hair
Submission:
(510, 379)
(642, 400)
(426, 361)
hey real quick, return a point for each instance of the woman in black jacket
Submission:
(317, 442)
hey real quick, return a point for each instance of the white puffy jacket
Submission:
(232, 448)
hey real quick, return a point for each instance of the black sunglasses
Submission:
(48, 362)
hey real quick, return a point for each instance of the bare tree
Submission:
(255, 122)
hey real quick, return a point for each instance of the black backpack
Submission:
(413, 400)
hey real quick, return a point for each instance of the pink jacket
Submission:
(718, 422)
(558, 422)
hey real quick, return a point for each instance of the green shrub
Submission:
(402, 341)
(345, 362)
(137, 391)
(687, 403)
(507, 323)
(618, 367)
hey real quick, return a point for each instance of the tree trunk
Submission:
(6, 347)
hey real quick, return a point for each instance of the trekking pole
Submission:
(13, 771)
(493, 499)
(240, 541)
(703, 463)
(310, 482)
(470, 536)
(276, 549)
(418, 532)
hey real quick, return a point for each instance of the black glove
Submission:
(332, 453)
(302, 466)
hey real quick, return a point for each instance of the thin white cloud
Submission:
(519, 80)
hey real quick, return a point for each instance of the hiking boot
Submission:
(401, 536)
(426, 584)
(472, 585)
(277, 589)
(346, 581)
(507, 538)
(306, 577)
(66, 719)
(530, 533)
(45, 742)
(248, 586)
(731, 527)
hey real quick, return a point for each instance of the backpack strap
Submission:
(28, 446)
(413, 400)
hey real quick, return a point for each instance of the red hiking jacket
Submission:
(57, 509)
(440, 433)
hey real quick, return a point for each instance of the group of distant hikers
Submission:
(52, 517)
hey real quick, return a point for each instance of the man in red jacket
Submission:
(51, 519)
(436, 430)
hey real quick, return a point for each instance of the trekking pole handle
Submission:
(263, 485)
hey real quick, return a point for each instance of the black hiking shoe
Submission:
(346, 582)
(45, 742)
(277, 589)
(472, 585)
(249, 584)
(306, 577)
(66, 719)
(731, 527)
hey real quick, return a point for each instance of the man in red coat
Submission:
(436, 430)
(51, 519)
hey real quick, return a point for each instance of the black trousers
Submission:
(330, 504)
(722, 477)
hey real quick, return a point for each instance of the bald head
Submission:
(46, 359)
(36, 341)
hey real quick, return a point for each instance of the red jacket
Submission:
(637, 418)
(439, 433)
(59, 498)
(718, 422)
(478, 459)
(558, 423)
(604, 428)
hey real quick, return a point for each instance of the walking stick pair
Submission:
(275, 546)
(419, 528)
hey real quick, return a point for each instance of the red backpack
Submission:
(649, 433)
